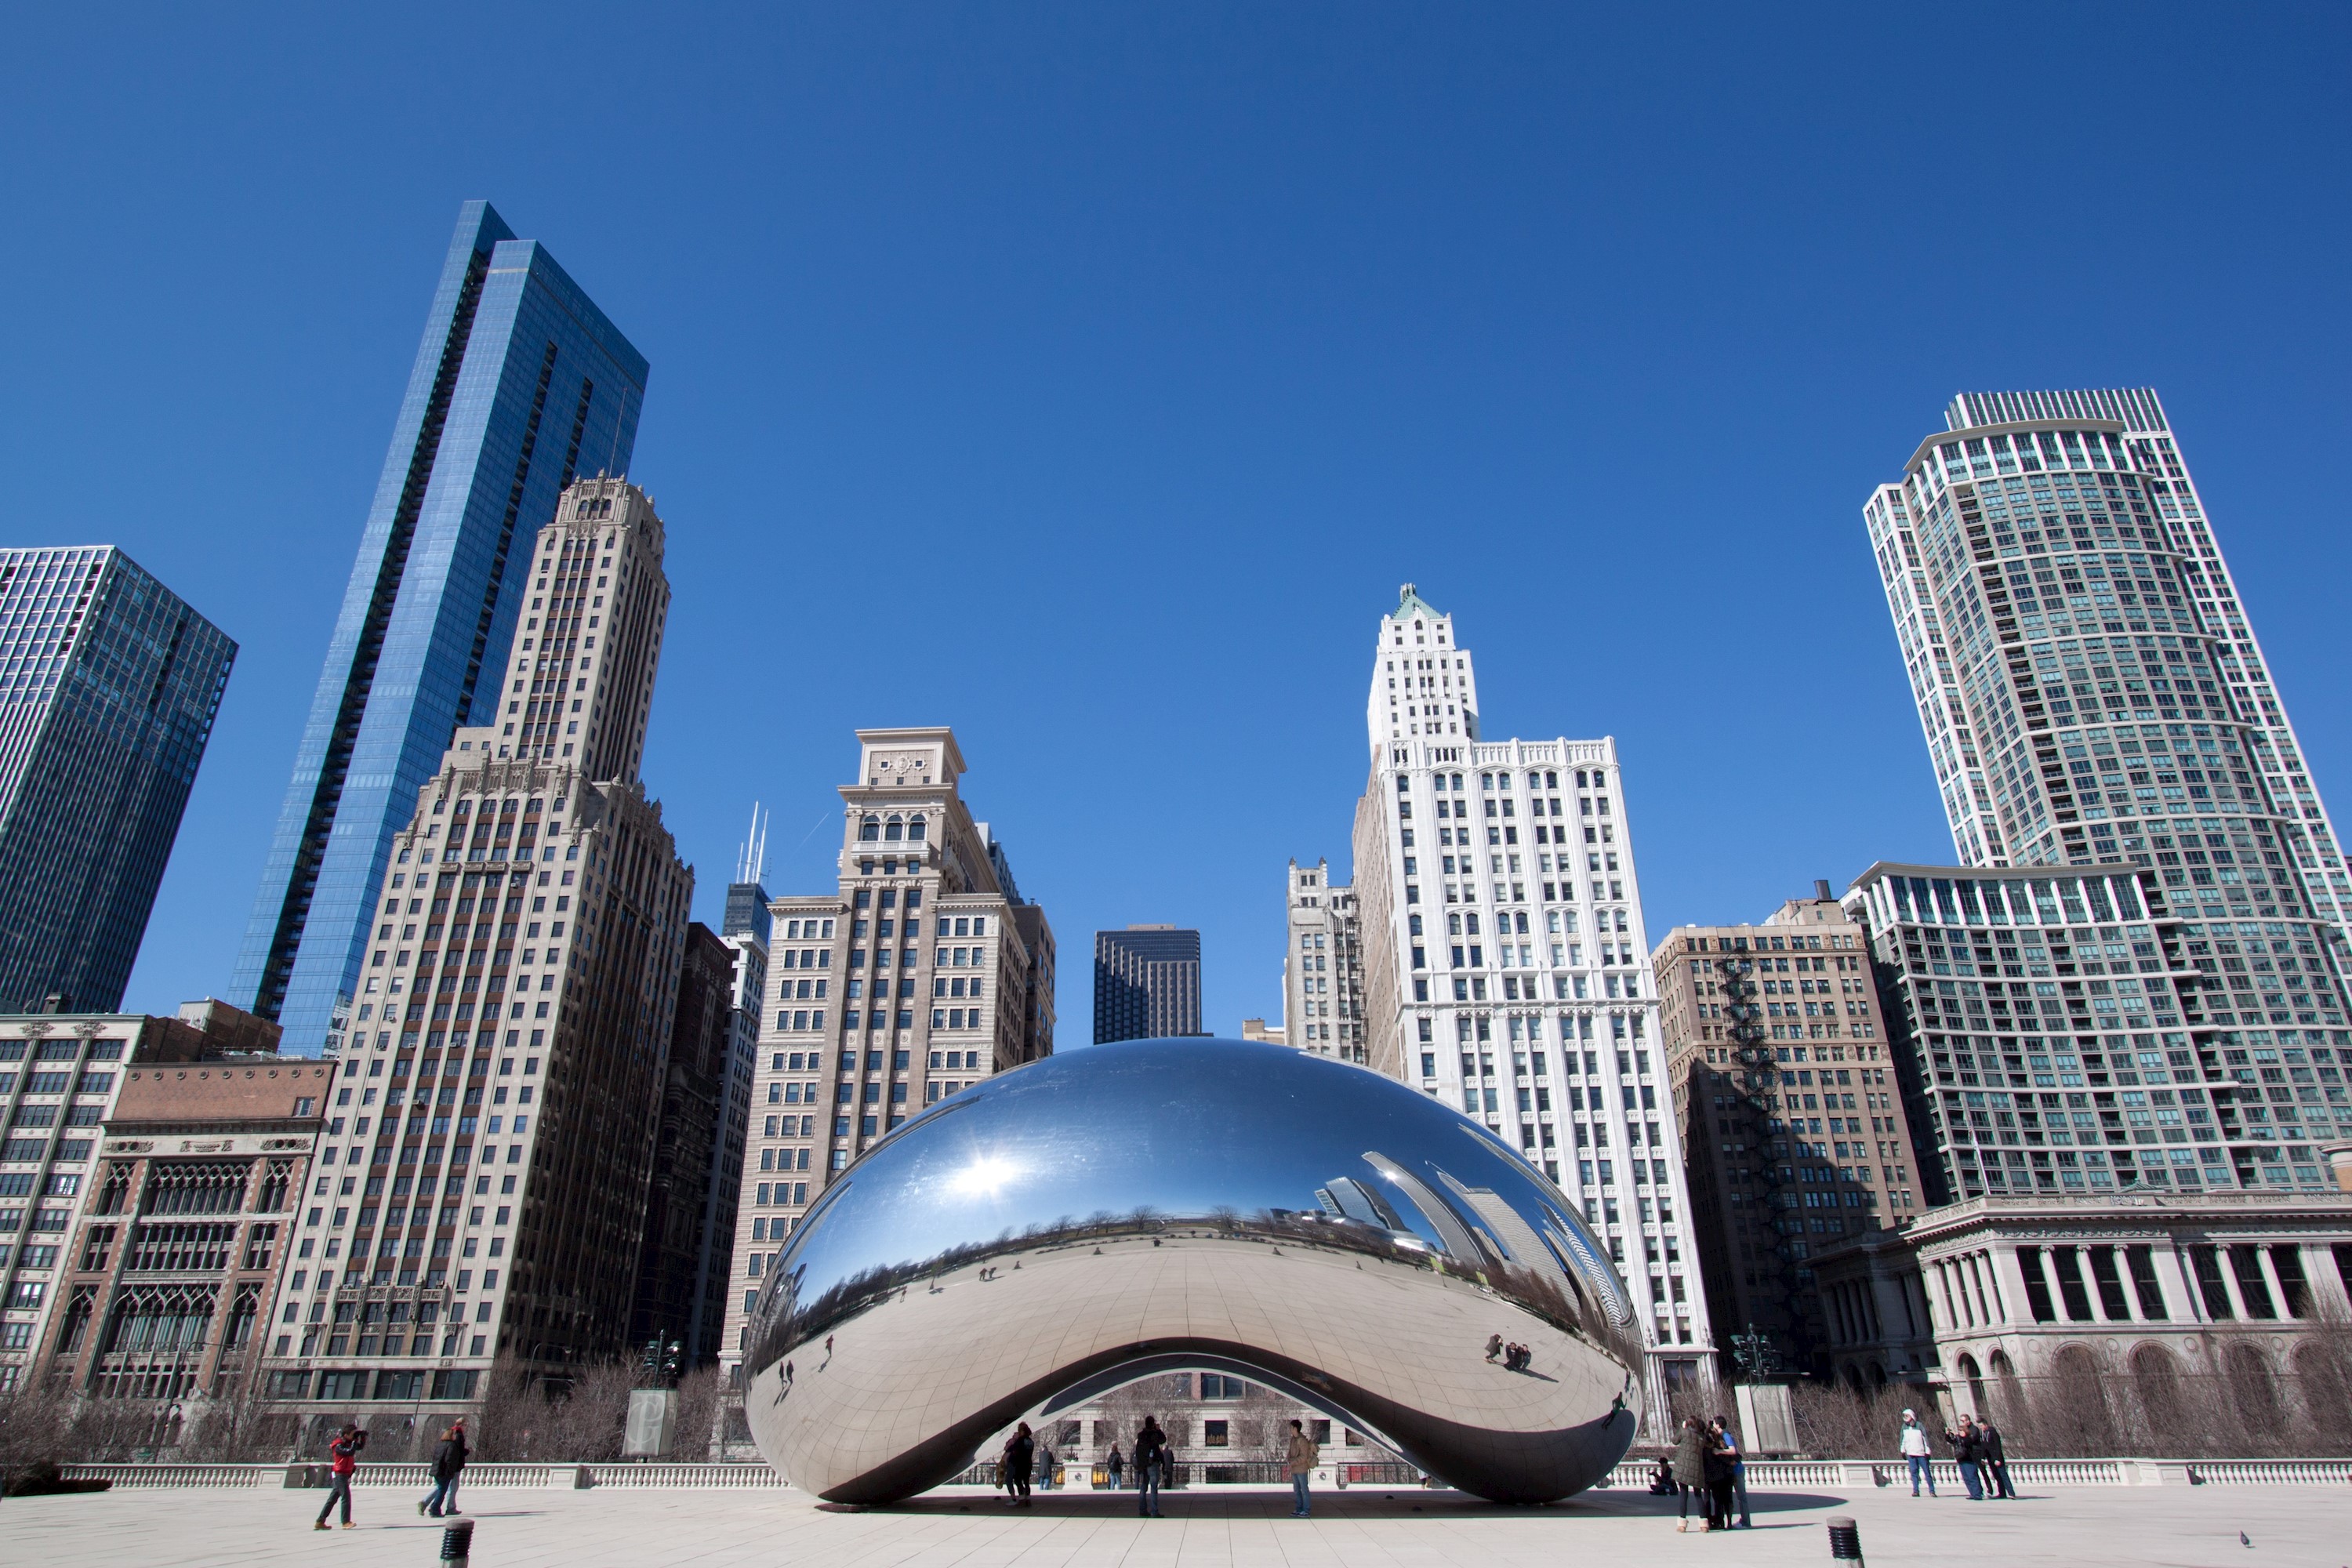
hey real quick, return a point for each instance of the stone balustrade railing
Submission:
(1763, 1475)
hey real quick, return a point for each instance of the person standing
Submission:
(1719, 1481)
(1739, 1460)
(1114, 1465)
(1493, 1346)
(449, 1459)
(1913, 1445)
(1020, 1453)
(1969, 1454)
(344, 1461)
(1996, 1462)
(1690, 1469)
(1303, 1457)
(1151, 1453)
(1046, 1466)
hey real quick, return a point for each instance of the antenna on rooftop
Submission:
(752, 858)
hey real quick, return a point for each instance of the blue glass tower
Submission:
(107, 688)
(520, 382)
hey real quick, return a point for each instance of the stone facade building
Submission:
(491, 1147)
(1323, 966)
(188, 1226)
(2160, 1301)
(1765, 1025)
(1506, 971)
(916, 978)
(61, 1075)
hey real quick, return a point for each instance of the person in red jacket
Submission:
(345, 1453)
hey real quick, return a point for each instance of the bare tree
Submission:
(508, 1429)
(697, 1428)
(585, 1417)
(32, 1428)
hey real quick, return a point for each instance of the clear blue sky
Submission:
(1087, 377)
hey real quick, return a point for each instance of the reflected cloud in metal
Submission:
(1124, 1209)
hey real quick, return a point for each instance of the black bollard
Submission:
(1845, 1539)
(458, 1543)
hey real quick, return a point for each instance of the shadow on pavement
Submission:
(1355, 1503)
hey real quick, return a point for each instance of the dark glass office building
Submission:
(1147, 984)
(519, 383)
(109, 683)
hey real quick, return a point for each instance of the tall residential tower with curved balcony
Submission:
(2083, 671)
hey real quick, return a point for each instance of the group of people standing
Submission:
(1706, 1465)
(1154, 1466)
(1977, 1448)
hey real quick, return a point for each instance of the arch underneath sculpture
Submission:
(1101, 1384)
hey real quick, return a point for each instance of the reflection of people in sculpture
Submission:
(1114, 1465)
(1150, 1454)
(1493, 1346)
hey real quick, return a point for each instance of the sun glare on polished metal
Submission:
(1059, 1230)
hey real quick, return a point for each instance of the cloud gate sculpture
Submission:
(1030, 1244)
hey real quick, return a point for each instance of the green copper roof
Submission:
(1410, 604)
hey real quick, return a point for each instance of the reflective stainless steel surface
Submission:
(1155, 1204)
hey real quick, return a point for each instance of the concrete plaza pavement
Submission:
(1364, 1528)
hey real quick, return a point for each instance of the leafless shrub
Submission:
(32, 1428)
(586, 1417)
(2236, 1400)
(510, 1425)
(696, 1428)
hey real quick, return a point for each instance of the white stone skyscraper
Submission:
(2089, 686)
(1504, 964)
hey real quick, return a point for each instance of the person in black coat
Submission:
(1150, 1459)
(1020, 1454)
(1968, 1449)
(1996, 1462)
(449, 1459)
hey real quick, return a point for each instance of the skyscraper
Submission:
(919, 974)
(1504, 964)
(678, 1298)
(107, 688)
(1147, 984)
(2077, 1049)
(2085, 677)
(1766, 1025)
(518, 384)
(1323, 966)
(514, 1012)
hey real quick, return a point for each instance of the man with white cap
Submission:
(1914, 1445)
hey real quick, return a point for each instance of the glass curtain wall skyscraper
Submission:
(520, 383)
(2084, 670)
(108, 684)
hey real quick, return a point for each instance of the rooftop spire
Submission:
(1410, 604)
